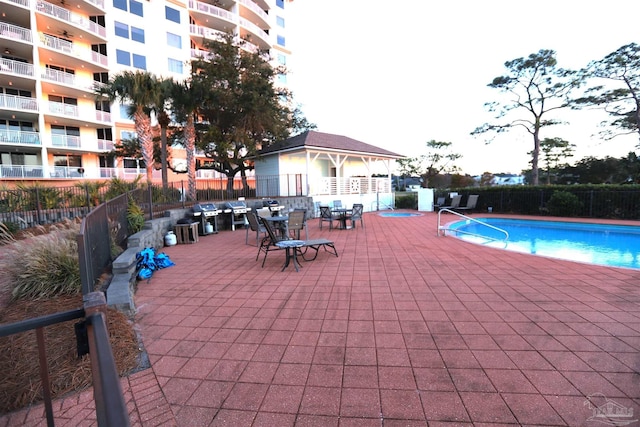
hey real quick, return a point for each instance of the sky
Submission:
(396, 74)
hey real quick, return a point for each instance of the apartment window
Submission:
(103, 106)
(174, 40)
(139, 61)
(133, 163)
(280, 4)
(123, 57)
(60, 136)
(280, 21)
(281, 40)
(175, 66)
(122, 30)
(282, 59)
(67, 160)
(99, 19)
(137, 34)
(105, 134)
(120, 4)
(99, 48)
(16, 92)
(63, 100)
(62, 69)
(172, 14)
(101, 77)
(128, 135)
(282, 79)
(135, 7)
(16, 125)
(19, 159)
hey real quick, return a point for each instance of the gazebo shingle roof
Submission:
(327, 141)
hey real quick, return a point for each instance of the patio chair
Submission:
(439, 203)
(356, 214)
(298, 222)
(254, 225)
(455, 202)
(327, 216)
(268, 243)
(472, 201)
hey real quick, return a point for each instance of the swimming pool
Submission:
(398, 214)
(612, 245)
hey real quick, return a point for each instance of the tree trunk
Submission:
(190, 138)
(143, 131)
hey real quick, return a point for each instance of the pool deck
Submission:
(404, 328)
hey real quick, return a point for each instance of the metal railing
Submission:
(442, 230)
(111, 409)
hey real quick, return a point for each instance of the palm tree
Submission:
(138, 89)
(185, 101)
(164, 92)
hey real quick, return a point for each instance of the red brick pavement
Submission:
(404, 328)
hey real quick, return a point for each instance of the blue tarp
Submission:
(149, 261)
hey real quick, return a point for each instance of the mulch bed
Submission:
(21, 385)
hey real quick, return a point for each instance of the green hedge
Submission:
(588, 201)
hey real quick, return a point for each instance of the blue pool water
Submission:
(612, 245)
(398, 214)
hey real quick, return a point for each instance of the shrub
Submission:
(563, 203)
(44, 266)
(135, 217)
(6, 233)
(407, 201)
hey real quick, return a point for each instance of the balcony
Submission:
(85, 26)
(105, 145)
(103, 116)
(70, 81)
(255, 9)
(248, 30)
(22, 103)
(19, 137)
(20, 171)
(14, 32)
(205, 11)
(16, 68)
(67, 172)
(67, 141)
(69, 50)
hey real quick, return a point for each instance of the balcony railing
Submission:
(68, 48)
(103, 116)
(69, 141)
(67, 172)
(14, 102)
(105, 144)
(97, 3)
(20, 137)
(20, 171)
(72, 18)
(25, 3)
(211, 10)
(63, 109)
(69, 80)
(254, 29)
(17, 68)
(14, 32)
(249, 4)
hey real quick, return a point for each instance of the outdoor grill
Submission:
(274, 207)
(206, 215)
(237, 211)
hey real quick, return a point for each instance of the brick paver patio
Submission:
(404, 328)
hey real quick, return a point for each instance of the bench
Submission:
(316, 244)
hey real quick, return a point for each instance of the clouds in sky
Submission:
(399, 73)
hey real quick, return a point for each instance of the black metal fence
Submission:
(607, 202)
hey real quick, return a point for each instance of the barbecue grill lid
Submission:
(201, 207)
(236, 204)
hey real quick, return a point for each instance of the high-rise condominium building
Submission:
(55, 52)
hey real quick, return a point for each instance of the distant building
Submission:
(55, 53)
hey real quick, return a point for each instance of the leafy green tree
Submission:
(617, 90)
(243, 109)
(553, 151)
(139, 89)
(535, 87)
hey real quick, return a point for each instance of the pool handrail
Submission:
(444, 229)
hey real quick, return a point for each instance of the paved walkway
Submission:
(404, 328)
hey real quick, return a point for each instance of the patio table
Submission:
(288, 245)
(343, 215)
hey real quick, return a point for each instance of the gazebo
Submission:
(326, 167)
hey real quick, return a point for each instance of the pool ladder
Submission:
(442, 230)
